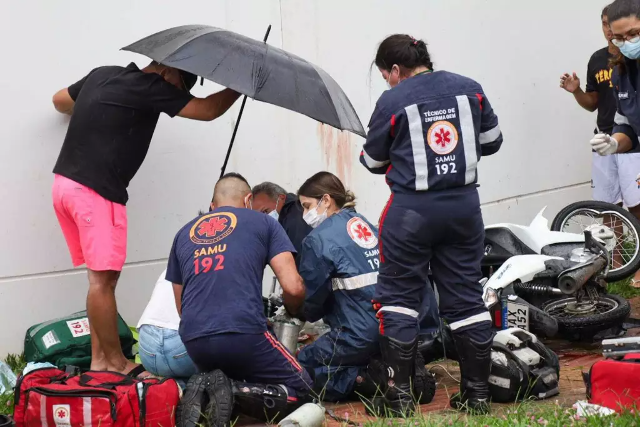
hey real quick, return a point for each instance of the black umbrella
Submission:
(255, 69)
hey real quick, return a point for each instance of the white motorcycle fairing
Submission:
(538, 235)
(519, 267)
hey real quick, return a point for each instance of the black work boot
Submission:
(399, 360)
(220, 407)
(190, 410)
(265, 402)
(475, 366)
(371, 381)
(424, 383)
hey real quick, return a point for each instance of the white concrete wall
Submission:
(516, 49)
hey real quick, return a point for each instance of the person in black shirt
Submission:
(599, 90)
(599, 96)
(273, 200)
(114, 111)
(613, 177)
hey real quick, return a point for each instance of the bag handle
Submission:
(632, 357)
(85, 379)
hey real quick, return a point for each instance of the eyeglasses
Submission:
(632, 38)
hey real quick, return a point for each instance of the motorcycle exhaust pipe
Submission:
(573, 279)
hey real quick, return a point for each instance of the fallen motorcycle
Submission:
(535, 274)
(624, 246)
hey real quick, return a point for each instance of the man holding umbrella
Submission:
(114, 111)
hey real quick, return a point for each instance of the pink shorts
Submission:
(95, 228)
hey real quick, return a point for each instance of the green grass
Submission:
(525, 414)
(624, 289)
(16, 363)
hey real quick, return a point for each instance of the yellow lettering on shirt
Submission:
(603, 76)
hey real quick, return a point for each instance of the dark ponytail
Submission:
(402, 50)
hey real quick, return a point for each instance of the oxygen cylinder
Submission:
(308, 415)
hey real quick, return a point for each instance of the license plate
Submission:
(515, 315)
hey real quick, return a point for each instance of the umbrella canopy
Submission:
(253, 68)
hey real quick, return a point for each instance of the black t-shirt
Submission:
(115, 114)
(294, 225)
(599, 80)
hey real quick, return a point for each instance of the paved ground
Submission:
(574, 359)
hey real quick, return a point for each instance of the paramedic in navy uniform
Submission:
(427, 134)
(624, 18)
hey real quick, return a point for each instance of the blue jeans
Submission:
(163, 353)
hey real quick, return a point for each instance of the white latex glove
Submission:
(604, 145)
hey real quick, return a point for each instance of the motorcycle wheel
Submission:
(576, 217)
(609, 311)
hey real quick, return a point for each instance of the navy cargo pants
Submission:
(441, 229)
(254, 358)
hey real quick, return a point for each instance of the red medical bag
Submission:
(615, 384)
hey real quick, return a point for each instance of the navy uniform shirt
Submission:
(429, 132)
(339, 265)
(625, 89)
(219, 259)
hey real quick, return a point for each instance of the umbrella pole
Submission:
(235, 129)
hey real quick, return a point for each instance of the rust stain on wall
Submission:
(337, 152)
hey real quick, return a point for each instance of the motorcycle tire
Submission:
(592, 323)
(633, 264)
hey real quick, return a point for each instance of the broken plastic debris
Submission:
(586, 409)
(7, 378)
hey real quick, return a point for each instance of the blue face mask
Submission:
(631, 48)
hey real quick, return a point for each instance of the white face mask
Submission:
(274, 213)
(389, 77)
(248, 202)
(313, 218)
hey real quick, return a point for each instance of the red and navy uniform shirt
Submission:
(625, 89)
(219, 259)
(429, 132)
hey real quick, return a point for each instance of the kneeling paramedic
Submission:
(339, 265)
(216, 266)
(427, 134)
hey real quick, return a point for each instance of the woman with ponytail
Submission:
(427, 134)
(339, 264)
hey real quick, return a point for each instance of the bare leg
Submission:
(98, 359)
(103, 319)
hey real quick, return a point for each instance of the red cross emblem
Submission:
(363, 233)
(61, 413)
(443, 137)
(212, 227)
